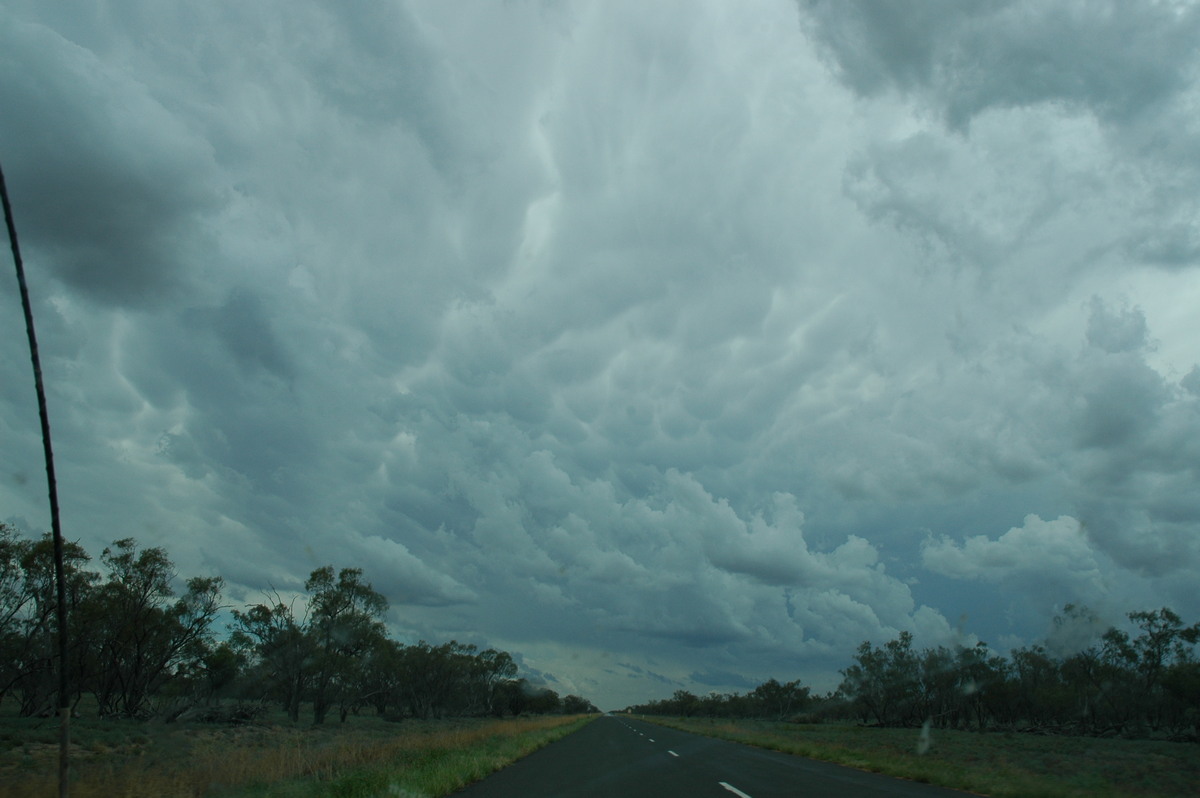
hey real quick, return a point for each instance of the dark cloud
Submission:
(114, 193)
(660, 345)
(376, 64)
(1116, 331)
(964, 58)
(1121, 401)
(243, 326)
(718, 678)
(1191, 381)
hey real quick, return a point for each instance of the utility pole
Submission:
(64, 698)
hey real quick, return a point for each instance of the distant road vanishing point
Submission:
(617, 756)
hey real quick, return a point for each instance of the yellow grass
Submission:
(164, 761)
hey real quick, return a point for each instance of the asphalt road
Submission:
(618, 756)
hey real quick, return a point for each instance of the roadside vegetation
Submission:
(1139, 682)
(302, 695)
(998, 764)
(1116, 713)
(363, 758)
(142, 649)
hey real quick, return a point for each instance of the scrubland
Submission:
(366, 756)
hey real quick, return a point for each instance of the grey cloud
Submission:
(375, 63)
(876, 45)
(626, 329)
(1191, 381)
(1107, 77)
(1121, 331)
(1175, 244)
(719, 678)
(112, 190)
(964, 58)
(221, 390)
(1121, 399)
(405, 578)
(242, 325)
(642, 672)
(1073, 631)
(1156, 539)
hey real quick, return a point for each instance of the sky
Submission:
(667, 345)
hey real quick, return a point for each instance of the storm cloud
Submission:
(669, 346)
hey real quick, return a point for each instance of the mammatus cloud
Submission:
(963, 59)
(671, 347)
(135, 182)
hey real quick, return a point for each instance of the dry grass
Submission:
(365, 757)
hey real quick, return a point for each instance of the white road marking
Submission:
(733, 789)
(652, 741)
(672, 753)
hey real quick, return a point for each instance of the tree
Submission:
(1040, 692)
(220, 668)
(141, 639)
(1139, 665)
(493, 669)
(1181, 682)
(323, 656)
(574, 705)
(344, 621)
(141, 650)
(543, 701)
(438, 680)
(13, 600)
(883, 684)
(382, 675)
(980, 678)
(780, 700)
(34, 677)
(280, 653)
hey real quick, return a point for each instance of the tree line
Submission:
(1140, 684)
(1117, 683)
(771, 699)
(138, 649)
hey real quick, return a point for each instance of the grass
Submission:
(995, 764)
(363, 758)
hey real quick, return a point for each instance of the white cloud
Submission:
(1055, 550)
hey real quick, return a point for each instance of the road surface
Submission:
(619, 756)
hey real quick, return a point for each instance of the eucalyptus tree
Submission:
(883, 683)
(344, 622)
(13, 600)
(37, 648)
(577, 705)
(779, 700)
(1143, 668)
(278, 649)
(436, 679)
(491, 670)
(321, 655)
(142, 636)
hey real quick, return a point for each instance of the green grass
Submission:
(995, 764)
(363, 758)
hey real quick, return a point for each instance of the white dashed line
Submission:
(733, 789)
(672, 753)
(651, 740)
